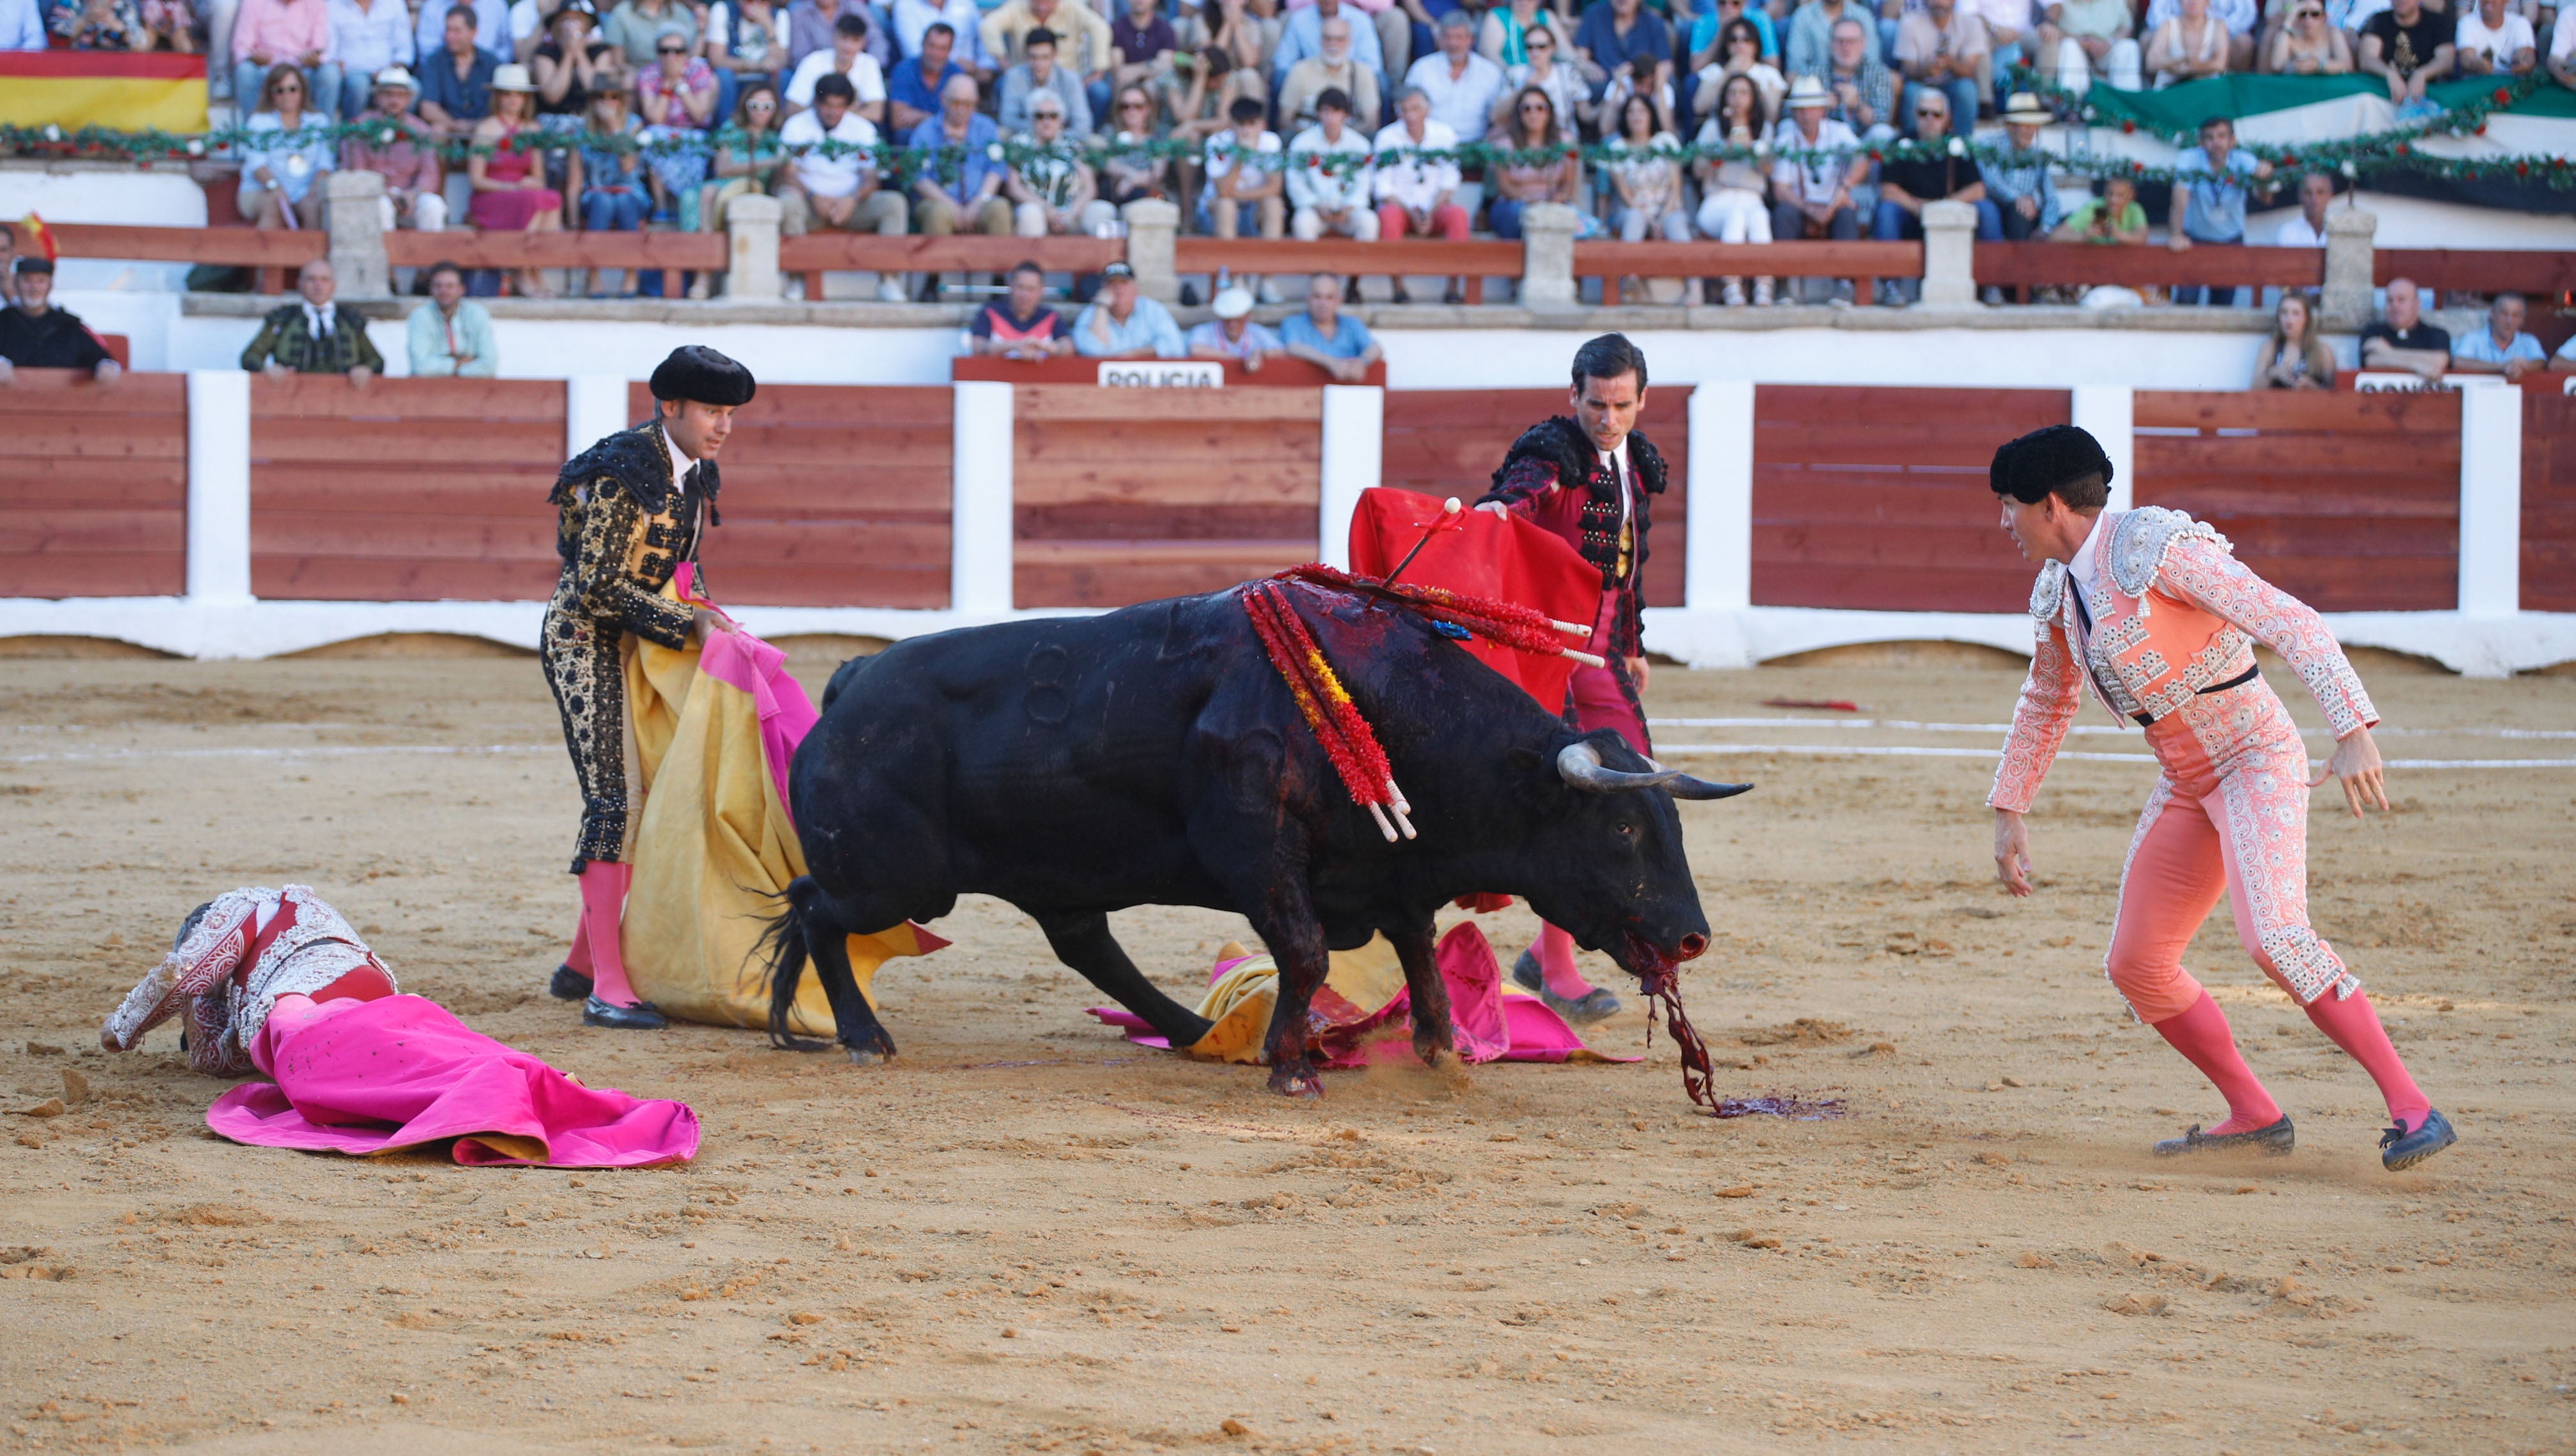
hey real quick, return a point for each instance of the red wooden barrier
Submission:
(1445, 442)
(406, 490)
(1865, 262)
(2478, 270)
(833, 497)
(1876, 497)
(815, 254)
(1125, 495)
(2548, 502)
(1395, 257)
(2350, 502)
(93, 485)
(2022, 265)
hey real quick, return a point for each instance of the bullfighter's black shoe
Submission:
(569, 985)
(642, 1016)
(2278, 1138)
(2400, 1149)
(1593, 1005)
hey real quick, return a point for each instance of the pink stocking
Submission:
(1555, 950)
(2201, 1034)
(579, 956)
(603, 909)
(2353, 1024)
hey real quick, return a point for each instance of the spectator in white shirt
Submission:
(22, 28)
(1327, 199)
(2237, 15)
(2493, 41)
(848, 57)
(2308, 229)
(2562, 48)
(1052, 190)
(1414, 192)
(838, 191)
(366, 38)
(1816, 192)
(1246, 192)
(1459, 84)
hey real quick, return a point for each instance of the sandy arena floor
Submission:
(1026, 1235)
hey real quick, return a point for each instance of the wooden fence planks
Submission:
(1126, 495)
(1445, 442)
(2548, 502)
(406, 490)
(93, 485)
(1876, 498)
(2350, 502)
(834, 496)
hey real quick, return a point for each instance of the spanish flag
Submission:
(73, 89)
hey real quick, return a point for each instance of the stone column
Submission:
(1547, 255)
(1949, 253)
(353, 214)
(751, 275)
(219, 487)
(2349, 261)
(981, 529)
(1152, 225)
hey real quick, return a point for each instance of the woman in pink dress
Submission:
(275, 981)
(500, 165)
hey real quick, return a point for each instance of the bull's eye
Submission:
(1627, 829)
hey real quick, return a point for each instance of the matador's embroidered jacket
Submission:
(623, 526)
(230, 970)
(1553, 476)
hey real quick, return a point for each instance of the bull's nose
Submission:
(1693, 947)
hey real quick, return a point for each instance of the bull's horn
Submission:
(1580, 765)
(1686, 787)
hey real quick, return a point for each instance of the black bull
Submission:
(1152, 756)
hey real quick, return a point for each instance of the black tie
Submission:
(2081, 615)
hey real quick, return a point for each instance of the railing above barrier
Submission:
(2023, 265)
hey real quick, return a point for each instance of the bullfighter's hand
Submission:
(1497, 507)
(1637, 672)
(2356, 761)
(2012, 851)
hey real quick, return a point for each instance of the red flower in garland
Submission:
(2502, 96)
(2404, 150)
(2522, 169)
(2128, 126)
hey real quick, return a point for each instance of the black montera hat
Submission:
(700, 373)
(2046, 459)
(33, 263)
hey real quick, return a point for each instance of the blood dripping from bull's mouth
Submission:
(1663, 989)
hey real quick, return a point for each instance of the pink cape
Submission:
(400, 1071)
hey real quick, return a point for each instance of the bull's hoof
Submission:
(868, 1057)
(1434, 1053)
(1297, 1082)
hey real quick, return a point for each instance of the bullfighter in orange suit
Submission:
(2152, 609)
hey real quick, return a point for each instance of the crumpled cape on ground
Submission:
(397, 1072)
(1362, 1012)
(715, 728)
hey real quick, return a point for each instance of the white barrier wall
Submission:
(1718, 626)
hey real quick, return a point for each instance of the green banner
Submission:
(2179, 110)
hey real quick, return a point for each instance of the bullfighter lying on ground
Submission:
(632, 508)
(2152, 608)
(1589, 479)
(275, 981)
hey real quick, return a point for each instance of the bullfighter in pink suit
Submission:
(2151, 608)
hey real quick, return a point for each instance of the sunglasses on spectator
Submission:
(672, 50)
(1131, 106)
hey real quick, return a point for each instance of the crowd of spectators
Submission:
(1260, 118)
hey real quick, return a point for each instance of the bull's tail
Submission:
(785, 941)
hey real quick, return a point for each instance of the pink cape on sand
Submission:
(400, 1071)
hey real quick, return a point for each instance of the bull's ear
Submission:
(1522, 756)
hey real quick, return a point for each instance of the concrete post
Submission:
(980, 530)
(2349, 249)
(2109, 412)
(1949, 253)
(751, 271)
(218, 487)
(1717, 565)
(1152, 224)
(353, 214)
(1547, 255)
(2490, 501)
(594, 408)
(1354, 460)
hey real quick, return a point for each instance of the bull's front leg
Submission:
(1434, 1035)
(1296, 942)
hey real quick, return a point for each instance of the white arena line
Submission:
(362, 750)
(1885, 750)
(1913, 727)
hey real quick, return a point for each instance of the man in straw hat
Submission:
(2151, 610)
(1821, 162)
(402, 149)
(630, 511)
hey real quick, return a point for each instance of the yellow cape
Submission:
(713, 851)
